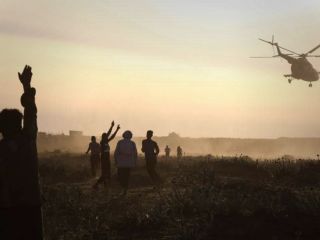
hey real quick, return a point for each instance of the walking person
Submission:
(20, 201)
(125, 157)
(94, 149)
(167, 151)
(179, 153)
(105, 156)
(151, 150)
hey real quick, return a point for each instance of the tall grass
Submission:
(202, 198)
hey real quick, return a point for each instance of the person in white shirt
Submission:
(125, 156)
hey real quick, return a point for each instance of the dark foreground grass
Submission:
(202, 198)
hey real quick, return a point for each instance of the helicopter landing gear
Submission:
(289, 80)
(310, 84)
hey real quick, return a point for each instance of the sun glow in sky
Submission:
(169, 65)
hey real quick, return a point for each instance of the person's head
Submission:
(10, 122)
(93, 139)
(149, 134)
(104, 137)
(127, 135)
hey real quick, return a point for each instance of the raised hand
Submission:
(25, 76)
(112, 123)
(118, 127)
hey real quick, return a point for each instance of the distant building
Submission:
(173, 135)
(75, 134)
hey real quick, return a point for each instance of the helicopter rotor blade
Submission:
(316, 56)
(312, 50)
(276, 56)
(266, 57)
(273, 44)
(289, 51)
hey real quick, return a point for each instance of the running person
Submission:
(151, 150)
(94, 148)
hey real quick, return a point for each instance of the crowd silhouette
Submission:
(20, 198)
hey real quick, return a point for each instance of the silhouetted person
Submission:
(20, 202)
(179, 152)
(125, 157)
(105, 156)
(151, 150)
(167, 150)
(94, 149)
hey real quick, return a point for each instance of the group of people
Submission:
(125, 156)
(20, 199)
(167, 150)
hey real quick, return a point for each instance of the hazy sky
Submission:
(166, 65)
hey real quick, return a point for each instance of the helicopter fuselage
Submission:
(302, 69)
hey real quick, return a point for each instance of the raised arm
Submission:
(114, 134)
(110, 129)
(30, 127)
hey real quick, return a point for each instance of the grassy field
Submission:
(202, 198)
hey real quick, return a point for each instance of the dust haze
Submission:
(255, 148)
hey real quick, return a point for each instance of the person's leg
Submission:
(151, 167)
(151, 170)
(128, 173)
(125, 173)
(108, 167)
(121, 177)
(97, 162)
(93, 170)
(156, 176)
(98, 182)
(104, 168)
(107, 171)
(103, 173)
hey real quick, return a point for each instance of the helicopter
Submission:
(301, 68)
